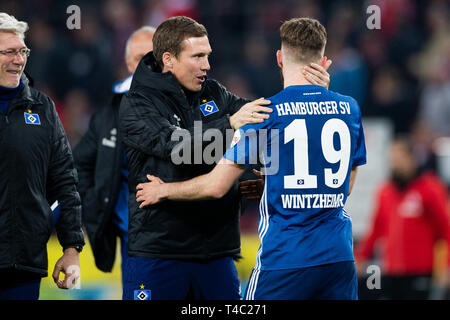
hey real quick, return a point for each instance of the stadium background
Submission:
(400, 75)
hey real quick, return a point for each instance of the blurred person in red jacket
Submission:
(410, 219)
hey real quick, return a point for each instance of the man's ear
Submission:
(129, 65)
(279, 59)
(167, 60)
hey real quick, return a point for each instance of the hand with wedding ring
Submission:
(252, 112)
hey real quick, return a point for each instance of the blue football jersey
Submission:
(307, 147)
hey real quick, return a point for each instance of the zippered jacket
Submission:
(155, 119)
(36, 169)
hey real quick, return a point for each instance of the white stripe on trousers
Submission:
(264, 226)
(252, 286)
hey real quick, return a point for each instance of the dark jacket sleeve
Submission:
(61, 185)
(85, 158)
(233, 104)
(144, 128)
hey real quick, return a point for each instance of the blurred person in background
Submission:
(101, 163)
(349, 71)
(84, 60)
(432, 67)
(174, 254)
(237, 83)
(350, 74)
(156, 11)
(36, 169)
(422, 138)
(77, 112)
(391, 98)
(41, 38)
(410, 219)
(122, 19)
(260, 72)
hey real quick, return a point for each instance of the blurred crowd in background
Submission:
(400, 72)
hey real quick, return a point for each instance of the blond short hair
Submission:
(304, 38)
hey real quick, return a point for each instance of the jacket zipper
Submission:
(12, 107)
(16, 105)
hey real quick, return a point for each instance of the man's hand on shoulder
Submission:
(251, 112)
(317, 74)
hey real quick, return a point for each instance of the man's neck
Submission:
(7, 93)
(293, 76)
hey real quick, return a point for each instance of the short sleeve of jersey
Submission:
(359, 157)
(244, 148)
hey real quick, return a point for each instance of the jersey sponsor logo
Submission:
(209, 108)
(32, 118)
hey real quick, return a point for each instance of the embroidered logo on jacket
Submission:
(209, 108)
(32, 118)
(142, 294)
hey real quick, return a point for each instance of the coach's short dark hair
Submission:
(170, 34)
(304, 38)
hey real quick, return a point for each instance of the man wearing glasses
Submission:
(36, 169)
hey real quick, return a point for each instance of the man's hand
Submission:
(317, 74)
(252, 189)
(252, 112)
(69, 264)
(149, 193)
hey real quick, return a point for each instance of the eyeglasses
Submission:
(24, 52)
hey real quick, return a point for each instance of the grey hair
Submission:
(144, 29)
(10, 24)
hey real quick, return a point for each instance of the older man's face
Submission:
(140, 45)
(11, 67)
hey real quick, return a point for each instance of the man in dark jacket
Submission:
(179, 249)
(100, 161)
(36, 169)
